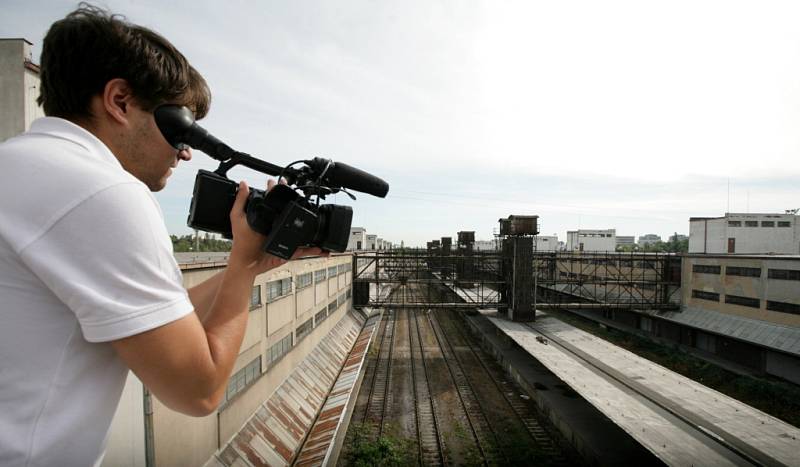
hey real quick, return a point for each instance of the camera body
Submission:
(287, 219)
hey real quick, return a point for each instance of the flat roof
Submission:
(669, 414)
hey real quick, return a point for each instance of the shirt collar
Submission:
(61, 128)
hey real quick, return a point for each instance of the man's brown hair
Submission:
(90, 47)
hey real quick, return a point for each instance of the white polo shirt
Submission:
(85, 258)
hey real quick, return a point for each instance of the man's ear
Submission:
(117, 98)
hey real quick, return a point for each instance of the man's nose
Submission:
(185, 154)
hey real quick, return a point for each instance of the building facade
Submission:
(745, 233)
(358, 239)
(546, 243)
(592, 240)
(19, 88)
(372, 242)
(291, 309)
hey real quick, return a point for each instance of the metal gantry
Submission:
(604, 280)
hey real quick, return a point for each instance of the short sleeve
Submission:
(109, 260)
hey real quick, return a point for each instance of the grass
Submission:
(778, 398)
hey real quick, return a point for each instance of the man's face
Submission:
(148, 156)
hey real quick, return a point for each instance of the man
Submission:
(88, 284)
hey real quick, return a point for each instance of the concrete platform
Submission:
(680, 421)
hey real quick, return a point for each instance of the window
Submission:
(344, 267)
(320, 317)
(342, 299)
(784, 274)
(783, 307)
(304, 280)
(319, 275)
(349, 293)
(255, 297)
(305, 328)
(706, 269)
(332, 271)
(278, 289)
(734, 223)
(767, 223)
(702, 295)
(332, 306)
(242, 378)
(743, 301)
(751, 223)
(745, 272)
(784, 224)
(278, 350)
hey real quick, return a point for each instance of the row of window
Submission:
(278, 350)
(283, 287)
(309, 324)
(755, 223)
(242, 378)
(783, 274)
(751, 302)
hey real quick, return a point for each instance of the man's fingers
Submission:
(270, 184)
(241, 197)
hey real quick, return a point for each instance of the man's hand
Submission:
(247, 243)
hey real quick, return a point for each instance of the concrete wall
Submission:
(12, 87)
(19, 88)
(546, 243)
(125, 446)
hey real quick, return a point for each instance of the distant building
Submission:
(19, 88)
(372, 242)
(678, 238)
(744, 233)
(358, 239)
(592, 240)
(546, 243)
(626, 240)
(649, 239)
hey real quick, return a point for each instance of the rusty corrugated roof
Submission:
(274, 433)
(317, 447)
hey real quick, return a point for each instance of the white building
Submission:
(19, 88)
(649, 239)
(592, 240)
(372, 242)
(546, 243)
(358, 239)
(745, 233)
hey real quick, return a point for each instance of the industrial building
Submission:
(292, 309)
(358, 239)
(745, 233)
(592, 240)
(19, 88)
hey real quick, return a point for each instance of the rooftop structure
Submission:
(745, 233)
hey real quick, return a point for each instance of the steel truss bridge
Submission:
(647, 281)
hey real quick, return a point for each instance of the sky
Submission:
(631, 115)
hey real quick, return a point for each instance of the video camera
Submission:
(289, 217)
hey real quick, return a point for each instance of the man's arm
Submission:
(187, 363)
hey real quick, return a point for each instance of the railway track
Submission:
(522, 411)
(429, 437)
(434, 397)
